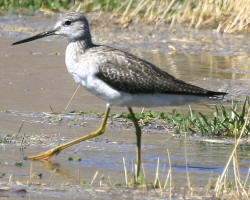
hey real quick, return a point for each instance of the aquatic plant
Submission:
(219, 121)
(223, 122)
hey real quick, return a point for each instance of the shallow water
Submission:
(33, 79)
(105, 153)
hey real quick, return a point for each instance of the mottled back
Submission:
(128, 73)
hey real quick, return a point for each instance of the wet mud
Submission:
(34, 81)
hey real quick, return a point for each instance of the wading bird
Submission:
(118, 77)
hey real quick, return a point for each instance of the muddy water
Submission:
(33, 80)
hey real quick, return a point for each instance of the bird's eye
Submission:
(67, 23)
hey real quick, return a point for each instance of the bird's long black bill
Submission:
(35, 37)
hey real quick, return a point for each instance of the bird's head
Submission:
(73, 25)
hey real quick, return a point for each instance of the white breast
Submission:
(83, 66)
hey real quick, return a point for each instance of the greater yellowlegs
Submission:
(118, 77)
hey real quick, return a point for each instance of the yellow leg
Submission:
(48, 154)
(138, 141)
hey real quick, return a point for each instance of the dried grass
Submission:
(228, 16)
(221, 181)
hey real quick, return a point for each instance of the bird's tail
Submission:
(216, 95)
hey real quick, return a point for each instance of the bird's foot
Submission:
(46, 155)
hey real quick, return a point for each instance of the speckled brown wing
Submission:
(128, 73)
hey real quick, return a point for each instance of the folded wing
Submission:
(130, 74)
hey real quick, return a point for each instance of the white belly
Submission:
(155, 100)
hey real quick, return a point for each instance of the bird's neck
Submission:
(77, 47)
(83, 42)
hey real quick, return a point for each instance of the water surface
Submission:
(33, 80)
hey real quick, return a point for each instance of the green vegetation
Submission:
(226, 16)
(36, 4)
(53, 120)
(79, 159)
(18, 163)
(220, 122)
(6, 139)
(84, 183)
(223, 122)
